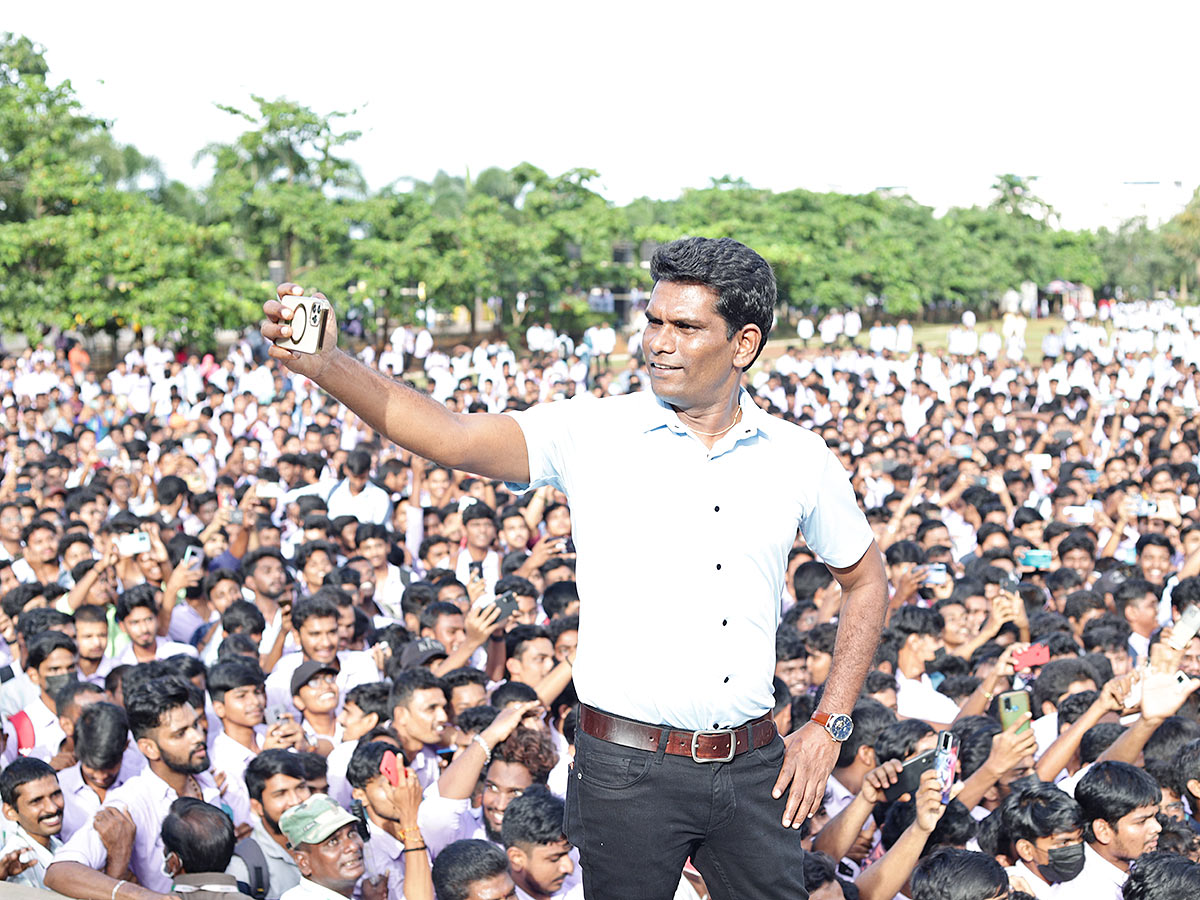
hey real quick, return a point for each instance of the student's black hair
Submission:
(409, 681)
(1111, 790)
(200, 834)
(101, 735)
(305, 551)
(1037, 811)
(364, 762)
(1184, 768)
(1171, 736)
(789, 644)
(42, 645)
(314, 607)
(909, 620)
(140, 595)
(231, 673)
(557, 597)
(267, 765)
(877, 681)
(19, 773)
(809, 578)
(1055, 678)
(243, 617)
(516, 640)
(463, 863)
(898, 741)
(14, 601)
(556, 628)
(238, 645)
(436, 610)
(475, 719)
(314, 765)
(512, 692)
(949, 873)
(870, 719)
(1074, 706)
(372, 697)
(147, 703)
(956, 826)
(534, 818)
(821, 638)
(65, 699)
(1162, 876)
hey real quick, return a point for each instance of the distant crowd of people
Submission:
(249, 649)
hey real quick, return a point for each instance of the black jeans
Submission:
(637, 816)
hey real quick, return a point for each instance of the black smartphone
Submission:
(507, 604)
(476, 569)
(910, 776)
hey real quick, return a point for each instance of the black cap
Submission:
(307, 669)
(422, 650)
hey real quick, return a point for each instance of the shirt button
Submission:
(724, 621)
(718, 567)
(727, 679)
(716, 509)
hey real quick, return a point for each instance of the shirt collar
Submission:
(319, 890)
(217, 882)
(1102, 867)
(660, 414)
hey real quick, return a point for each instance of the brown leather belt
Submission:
(718, 745)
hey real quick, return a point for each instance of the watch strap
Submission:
(821, 718)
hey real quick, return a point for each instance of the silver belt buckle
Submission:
(696, 735)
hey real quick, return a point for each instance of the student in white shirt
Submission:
(1044, 829)
(916, 697)
(540, 860)
(1119, 803)
(33, 813)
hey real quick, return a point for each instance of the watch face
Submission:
(840, 727)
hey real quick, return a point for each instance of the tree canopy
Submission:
(94, 237)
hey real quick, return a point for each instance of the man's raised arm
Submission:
(489, 445)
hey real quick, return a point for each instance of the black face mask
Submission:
(1065, 863)
(55, 683)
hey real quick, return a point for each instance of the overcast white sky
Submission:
(933, 98)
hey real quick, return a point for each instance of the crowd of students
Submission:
(247, 647)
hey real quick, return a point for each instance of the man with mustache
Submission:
(126, 834)
(33, 806)
(324, 841)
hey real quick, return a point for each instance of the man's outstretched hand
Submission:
(277, 326)
(808, 760)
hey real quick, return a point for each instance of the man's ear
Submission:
(298, 703)
(1024, 849)
(256, 807)
(10, 813)
(219, 708)
(513, 667)
(866, 756)
(516, 858)
(748, 340)
(1048, 708)
(149, 749)
(1193, 786)
(1102, 831)
(358, 794)
(375, 717)
(302, 862)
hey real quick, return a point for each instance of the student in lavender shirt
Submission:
(101, 738)
(137, 615)
(167, 720)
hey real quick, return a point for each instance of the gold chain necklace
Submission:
(737, 418)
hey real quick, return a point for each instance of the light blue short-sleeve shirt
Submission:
(682, 550)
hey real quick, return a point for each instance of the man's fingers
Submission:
(288, 289)
(785, 777)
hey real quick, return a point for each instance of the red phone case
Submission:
(1036, 655)
(390, 767)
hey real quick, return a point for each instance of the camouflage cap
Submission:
(313, 821)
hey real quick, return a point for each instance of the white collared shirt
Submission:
(80, 800)
(691, 551)
(1099, 880)
(310, 890)
(17, 838)
(282, 871)
(917, 698)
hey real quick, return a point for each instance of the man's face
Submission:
(1142, 614)
(449, 630)
(565, 644)
(437, 555)
(1039, 850)
(335, 863)
(180, 741)
(977, 612)
(10, 524)
(318, 695)
(1121, 661)
(316, 567)
(546, 866)
(515, 533)
(41, 546)
(375, 551)
(1155, 562)
(533, 663)
(269, 578)
(39, 807)
(816, 665)
(689, 357)
(466, 696)
(345, 627)
(223, 594)
(793, 673)
(142, 626)
(1135, 833)
(280, 793)
(503, 783)
(498, 887)
(1079, 560)
(481, 534)
(355, 723)
(1191, 658)
(526, 613)
(423, 718)
(319, 638)
(91, 638)
(958, 630)
(242, 705)
(59, 662)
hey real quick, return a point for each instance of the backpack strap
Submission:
(256, 865)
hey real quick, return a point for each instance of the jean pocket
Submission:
(772, 754)
(600, 767)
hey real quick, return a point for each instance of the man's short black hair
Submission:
(243, 617)
(809, 578)
(899, 740)
(512, 692)
(409, 681)
(517, 639)
(200, 834)
(909, 619)
(1111, 790)
(949, 873)
(372, 697)
(147, 703)
(436, 610)
(1055, 678)
(742, 280)
(536, 817)
(230, 673)
(478, 510)
(462, 864)
(364, 763)
(558, 596)
(870, 719)
(41, 646)
(101, 735)
(1037, 811)
(318, 606)
(267, 765)
(1162, 876)
(140, 595)
(19, 773)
